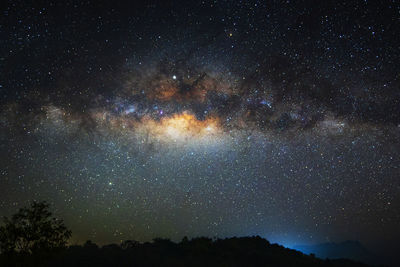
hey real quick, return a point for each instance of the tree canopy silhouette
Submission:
(33, 237)
(33, 229)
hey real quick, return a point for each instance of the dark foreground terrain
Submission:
(245, 251)
(353, 250)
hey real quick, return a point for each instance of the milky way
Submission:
(216, 119)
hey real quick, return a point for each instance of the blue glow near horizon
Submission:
(290, 243)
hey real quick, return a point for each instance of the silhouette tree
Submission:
(31, 230)
(130, 244)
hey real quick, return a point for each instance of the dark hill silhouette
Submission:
(243, 251)
(32, 237)
(348, 249)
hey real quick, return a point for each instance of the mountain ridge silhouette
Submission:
(349, 249)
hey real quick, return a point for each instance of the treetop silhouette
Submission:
(33, 229)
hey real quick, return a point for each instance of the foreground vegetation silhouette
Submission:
(32, 233)
(33, 238)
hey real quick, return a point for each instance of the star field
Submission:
(215, 118)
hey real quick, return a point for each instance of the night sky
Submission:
(204, 118)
